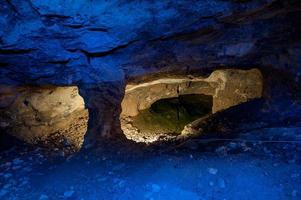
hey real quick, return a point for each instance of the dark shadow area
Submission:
(7, 141)
(172, 114)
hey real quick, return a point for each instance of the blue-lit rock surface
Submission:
(63, 42)
(237, 170)
(101, 45)
(249, 151)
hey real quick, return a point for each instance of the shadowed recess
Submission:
(170, 115)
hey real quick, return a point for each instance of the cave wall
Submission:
(101, 45)
(228, 87)
(53, 115)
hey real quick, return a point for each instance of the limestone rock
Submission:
(228, 87)
(100, 46)
(38, 114)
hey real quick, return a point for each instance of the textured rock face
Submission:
(101, 45)
(66, 42)
(235, 87)
(166, 118)
(42, 114)
(228, 88)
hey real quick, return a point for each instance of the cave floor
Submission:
(235, 170)
(166, 118)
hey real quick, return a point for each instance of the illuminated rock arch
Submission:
(228, 87)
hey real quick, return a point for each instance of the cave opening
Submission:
(166, 118)
(168, 108)
(150, 99)
(51, 116)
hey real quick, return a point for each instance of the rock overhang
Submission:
(100, 45)
(66, 38)
(226, 87)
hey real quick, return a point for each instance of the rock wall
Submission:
(235, 87)
(54, 115)
(100, 45)
(64, 42)
(229, 87)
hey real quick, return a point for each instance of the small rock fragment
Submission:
(296, 175)
(17, 161)
(43, 197)
(156, 188)
(7, 175)
(68, 194)
(3, 193)
(212, 171)
(221, 183)
(294, 193)
(222, 150)
(232, 145)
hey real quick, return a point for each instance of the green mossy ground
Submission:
(171, 115)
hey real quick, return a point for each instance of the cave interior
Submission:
(138, 99)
